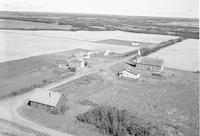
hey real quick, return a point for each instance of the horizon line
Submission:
(98, 14)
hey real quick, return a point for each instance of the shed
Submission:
(53, 102)
(129, 74)
(153, 64)
(76, 63)
(134, 43)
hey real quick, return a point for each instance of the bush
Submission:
(115, 122)
(63, 109)
(87, 102)
(72, 69)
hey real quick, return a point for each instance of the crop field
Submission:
(94, 36)
(183, 55)
(21, 44)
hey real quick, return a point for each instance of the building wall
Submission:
(51, 109)
(61, 103)
(47, 108)
(150, 67)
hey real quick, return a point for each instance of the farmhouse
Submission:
(53, 102)
(153, 64)
(129, 74)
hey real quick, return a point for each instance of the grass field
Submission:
(21, 75)
(183, 55)
(13, 129)
(25, 25)
(170, 102)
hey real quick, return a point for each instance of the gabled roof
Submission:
(152, 61)
(129, 71)
(47, 97)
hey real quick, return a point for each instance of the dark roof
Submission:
(44, 98)
(152, 61)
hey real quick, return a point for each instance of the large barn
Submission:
(53, 102)
(153, 64)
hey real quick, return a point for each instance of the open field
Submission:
(21, 75)
(170, 102)
(31, 43)
(16, 24)
(183, 55)
(184, 27)
(94, 36)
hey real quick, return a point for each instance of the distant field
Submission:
(105, 35)
(26, 25)
(187, 28)
(125, 43)
(183, 55)
(16, 44)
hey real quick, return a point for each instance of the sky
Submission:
(164, 8)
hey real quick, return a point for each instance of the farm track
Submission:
(9, 107)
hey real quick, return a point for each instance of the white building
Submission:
(128, 74)
(134, 43)
(107, 53)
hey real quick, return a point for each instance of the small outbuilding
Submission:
(53, 102)
(106, 53)
(134, 43)
(153, 64)
(128, 74)
(77, 64)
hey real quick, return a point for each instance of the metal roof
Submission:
(47, 97)
(152, 61)
(129, 71)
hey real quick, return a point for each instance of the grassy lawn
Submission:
(170, 102)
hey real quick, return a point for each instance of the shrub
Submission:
(115, 122)
(73, 69)
(55, 111)
(63, 109)
(87, 102)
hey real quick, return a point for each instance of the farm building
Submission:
(63, 66)
(129, 74)
(106, 53)
(134, 43)
(153, 64)
(77, 64)
(53, 102)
